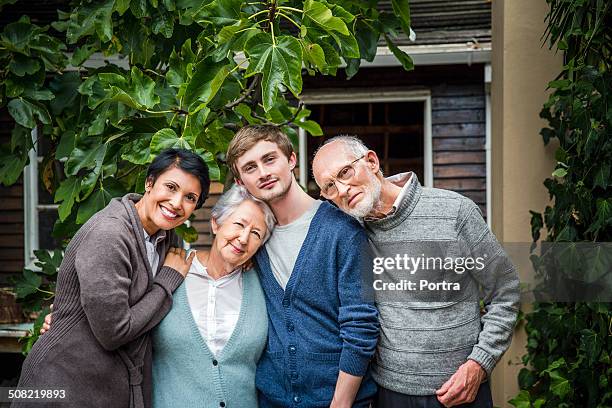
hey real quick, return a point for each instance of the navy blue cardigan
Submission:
(324, 321)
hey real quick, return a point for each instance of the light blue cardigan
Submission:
(186, 373)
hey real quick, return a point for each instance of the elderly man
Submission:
(429, 353)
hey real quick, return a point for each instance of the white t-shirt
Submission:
(285, 243)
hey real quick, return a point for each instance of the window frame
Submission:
(327, 97)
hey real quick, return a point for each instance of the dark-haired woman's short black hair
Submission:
(185, 160)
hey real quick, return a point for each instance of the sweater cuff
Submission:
(484, 359)
(169, 279)
(353, 364)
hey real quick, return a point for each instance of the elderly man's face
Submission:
(356, 195)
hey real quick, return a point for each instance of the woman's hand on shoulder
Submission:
(176, 259)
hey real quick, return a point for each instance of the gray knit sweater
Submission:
(98, 349)
(422, 344)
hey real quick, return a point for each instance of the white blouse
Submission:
(215, 304)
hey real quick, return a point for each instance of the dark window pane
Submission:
(46, 220)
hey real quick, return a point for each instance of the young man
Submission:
(322, 331)
(429, 353)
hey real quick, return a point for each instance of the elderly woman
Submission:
(206, 349)
(114, 285)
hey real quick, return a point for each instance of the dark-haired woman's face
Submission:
(169, 201)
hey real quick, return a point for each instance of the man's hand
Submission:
(463, 386)
(346, 390)
(47, 323)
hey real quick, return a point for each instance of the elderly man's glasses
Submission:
(346, 173)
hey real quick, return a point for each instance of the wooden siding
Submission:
(458, 133)
(11, 216)
(202, 218)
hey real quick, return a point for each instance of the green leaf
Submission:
(28, 284)
(602, 177)
(81, 54)
(189, 234)
(560, 172)
(213, 168)
(521, 400)
(560, 385)
(11, 166)
(21, 65)
(332, 58)
(219, 12)
(139, 8)
(245, 111)
(314, 54)
(140, 93)
(49, 262)
(90, 155)
(320, 15)
(204, 84)
(590, 345)
(367, 38)
(349, 48)
(163, 23)
(279, 62)
(311, 127)
(401, 9)
(99, 199)
(16, 37)
(121, 6)
(167, 138)
(352, 67)
(92, 18)
(39, 94)
(65, 88)
(67, 193)
(66, 145)
(401, 56)
(560, 84)
(25, 112)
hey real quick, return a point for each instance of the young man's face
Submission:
(265, 171)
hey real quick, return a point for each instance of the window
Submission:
(396, 125)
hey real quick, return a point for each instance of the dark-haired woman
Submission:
(114, 285)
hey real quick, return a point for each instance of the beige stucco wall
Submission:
(521, 68)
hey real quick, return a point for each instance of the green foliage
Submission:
(569, 344)
(184, 74)
(35, 289)
(177, 73)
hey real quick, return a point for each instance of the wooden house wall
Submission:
(202, 218)
(11, 215)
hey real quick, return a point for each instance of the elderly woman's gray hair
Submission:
(235, 196)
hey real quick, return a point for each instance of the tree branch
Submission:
(287, 122)
(247, 92)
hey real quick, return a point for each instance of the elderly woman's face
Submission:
(241, 233)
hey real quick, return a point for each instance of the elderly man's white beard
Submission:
(370, 199)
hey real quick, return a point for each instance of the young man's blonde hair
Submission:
(249, 136)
